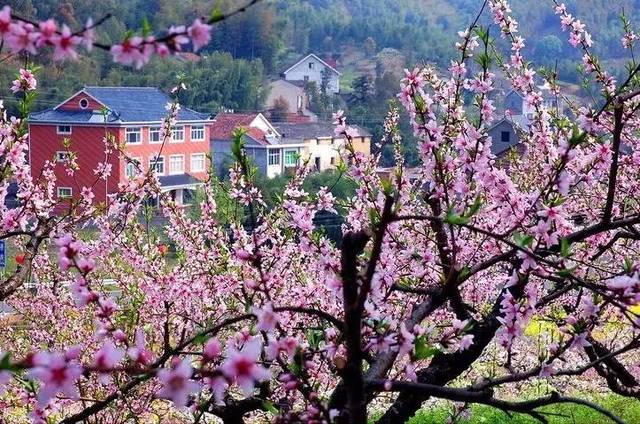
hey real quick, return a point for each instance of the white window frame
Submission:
(277, 153)
(130, 163)
(182, 171)
(133, 130)
(284, 158)
(63, 155)
(198, 128)
(204, 162)
(65, 196)
(58, 131)
(152, 164)
(173, 132)
(153, 130)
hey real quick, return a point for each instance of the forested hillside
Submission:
(366, 37)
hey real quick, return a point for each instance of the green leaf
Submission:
(566, 273)
(455, 219)
(523, 240)
(423, 350)
(565, 248)
(146, 27)
(270, 407)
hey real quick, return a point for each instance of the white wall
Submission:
(302, 70)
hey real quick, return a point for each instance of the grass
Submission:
(624, 408)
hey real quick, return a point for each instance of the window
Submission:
(290, 157)
(65, 192)
(176, 164)
(132, 135)
(62, 156)
(63, 129)
(154, 135)
(274, 157)
(131, 168)
(197, 162)
(156, 164)
(311, 65)
(505, 136)
(197, 132)
(333, 160)
(177, 134)
(84, 103)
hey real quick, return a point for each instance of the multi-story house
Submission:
(133, 117)
(276, 148)
(313, 69)
(320, 144)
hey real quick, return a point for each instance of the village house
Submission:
(321, 145)
(261, 141)
(295, 97)
(276, 148)
(133, 116)
(505, 133)
(313, 69)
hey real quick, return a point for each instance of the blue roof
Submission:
(178, 180)
(125, 104)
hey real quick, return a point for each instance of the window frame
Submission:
(274, 153)
(508, 136)
(170, 172)
(198, 128)
(130, 130)
(153, 163)
(126, 167)
(58, 131)
(152, 130)
(61, 196)
(173, 131)
(284, 158)
(60, 159)
(204, 162)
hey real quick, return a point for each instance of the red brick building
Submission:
(133, 115)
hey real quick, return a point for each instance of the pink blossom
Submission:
(48, 30)
(212, 350)
(139, 352)
(177, 383)
(26, 82)
(267, 319)
(57, 374)
(200, 34)
(5, 20)
(65, 44)
(466, 341)
(241, 365)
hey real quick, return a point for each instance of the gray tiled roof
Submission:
(178, 180)
(306, 130)
(126, 104)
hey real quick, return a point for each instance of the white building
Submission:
(312, 68)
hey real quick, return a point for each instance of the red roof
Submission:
(298, 118)
(225, 123)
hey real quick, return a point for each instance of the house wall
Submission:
(498, 146)
(325, 149)
(87, 143)
(513, 102)
(222, 156)
(302, 70)
(362, 145)
(145, 150)
(293, 94)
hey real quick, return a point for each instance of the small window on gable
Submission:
(505, 136)
(63, 129)
(311, 65)
(62, 156)
(65, 192)
(84, 103)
